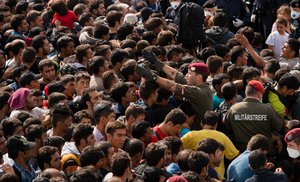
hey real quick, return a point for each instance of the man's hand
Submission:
(237, 23)
(151, 57)
(144, 72)
(242, 39)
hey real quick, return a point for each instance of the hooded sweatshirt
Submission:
(70, 158)
(219, 35)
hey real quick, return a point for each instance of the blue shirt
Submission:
(239, 169)
(27, 176)
(216, 101)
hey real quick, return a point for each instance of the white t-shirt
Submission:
(277, 40)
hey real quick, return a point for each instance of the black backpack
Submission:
(191, 25)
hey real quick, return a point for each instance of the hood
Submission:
(216, 31)
(69, 147)
(85, 38)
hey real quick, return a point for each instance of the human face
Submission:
(48, 73)
(148, 135)
(174, 129)
(117, 139)
(6, 16)
(281, 29)
(89, 53)
(101, 9)
(217, 159)
(111, 117)
(69, 50)
(285, 51)
(90, 141)
(282, 14)
(55, 161)
(244, 59)
(68, 122)
(24, 26)
(191, 78)
(288, 92)
(3, 145)
(2, 60)
(46, 47)
(168, 156)
(94, 97)
(38, 101)
(110, 152)
(82, 84)
(130, 96)
(30, 104)
(39, 22)
(34, 84)
(19, 131)
(70, 89)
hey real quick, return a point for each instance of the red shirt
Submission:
(66, 20)
(158, 133)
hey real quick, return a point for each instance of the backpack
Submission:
(191, 25)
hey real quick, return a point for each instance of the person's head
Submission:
(65, 46)
(101, 31)
(5, 14)
(97, 7)
(122, 94)
(55, 98)
(108, 151)
(35, 133)
(154, 155)
(235, 72)
(182, 159)
(281, 25)
(239, 55)
(135, 148)
(174, 121)
(48, 157)
(250, 73)
(46, 68)
(83, 135)
(191, 176)
(83, 117)
(116, 134)
(148, 91)
(61, 117)
(228, 91)
(154, 24)
(218, 81)
(19, 23)
(114, 19)
(118, 57)
(284, 12)
(189, 111)
(80, 9)
(287, 85)
(248, 32)
(98, 65)
(69, 83)
(142, 131)
(214, 150)
(11, 126)
(292, 138)
(220, 19)
(121, 165)
(165, 38)
(259, 142)
(134, 113)
(223, 52)
(21, 99)
(83, 53)
(28, 57)
(90, 97)
(82, 80)
(86, 174)
(104, 113)
(59, 7)
(290, 49)
(153, 174)
(255, 89)
(215, 64)
(4, 108)
(34, 19)
(30, 80)
(55, 141)
(19, 148)
(175, 144)
(197, 73)
(270, 68)
(86, 19)
(92, 156)
(257, 160)
(109, 79)
(41, 44)
(17, 46)
(198, 162)
(211, 118)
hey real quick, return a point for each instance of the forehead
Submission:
(120, 131)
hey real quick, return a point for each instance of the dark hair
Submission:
(182, 159)
(221, 50)
(81, 131)
(23, 115)
(111, 127)
(32, 16)
(128, 43)
(214, 63)
(55, 86)
(21, 6)
(55, 141)
(248, 32)
(100, 30)
(163, 94)
(134, 146)
(220, 19)
(149, 36)
(176, 116)
(112, 17)
(294, 44)
(102, 109)
(147, 88)
(108, 78)
(164, 38)
(34, 131)
(197, 160)
(60, 7)
(290, 81)
(55, 98)
(191, 176)
(118, 55)
(78, 116)
(119, 163)
(257, 160)
(259, 141)
(139, 129)
(249, 73)
(79, 9)
(44, 155)
(81, 51)
(4, 97)
(206, 53)
(134, 111)
(228, 91)
(236, 52)
(45, 63)
(235, 71)
(272, 66)
(28, 55)
(154, 153)
(218, 79)
(16, 46)
(65, 79)
(209, 146)
(187, 108)
(84, 18)
(124, 30)
(59, 113)
(119, 91)
(210, 118)
(104, 146)
(38, 42)
(95, 63)
(16, 21)
(9, 126)
(153, 23)
(82, 75)
(90, 155)
(175, 143)
(84, 175)
(63, 42)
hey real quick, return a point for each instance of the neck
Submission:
(62, 55)
(208, 127)
(80, 148)
(101, 128)
(164, 128)
(22, 163)
(125, 104)
(58, 132)
(148, 102)
(112, 30)
(41, 55)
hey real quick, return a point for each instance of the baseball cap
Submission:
(210, 4)
(257, 85)
(295, 4)
(291, 135)
(27, 77)
(199, 68)
(19, 143)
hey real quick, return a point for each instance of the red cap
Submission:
(177, 179)
(257, 85)
(291, 135)
(199, 68)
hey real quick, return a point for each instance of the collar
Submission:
(251, 99)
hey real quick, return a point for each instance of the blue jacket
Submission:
(266, 175)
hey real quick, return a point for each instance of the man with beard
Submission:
(42, 47)
(4, 108)
(19, 151)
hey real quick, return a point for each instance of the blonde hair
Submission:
(284, 9)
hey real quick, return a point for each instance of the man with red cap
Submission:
(191, 87)
(251, 117)
(292, 138)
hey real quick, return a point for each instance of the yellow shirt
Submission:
(192, 139)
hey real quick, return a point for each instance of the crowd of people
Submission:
(154, 91)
